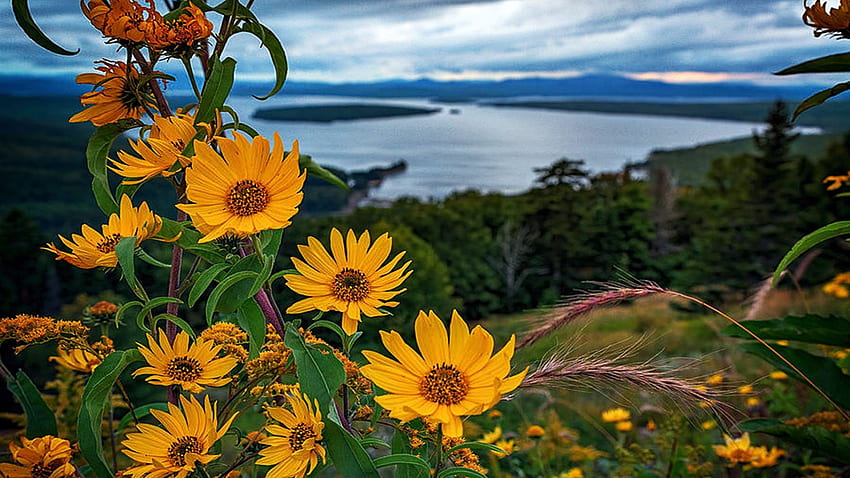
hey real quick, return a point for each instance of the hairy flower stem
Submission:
(161, 103)
(173, 285)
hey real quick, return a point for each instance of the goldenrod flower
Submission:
(453, 376)
(293, 443)
(244, 190)
(616, 415)
(834, 22)
(42, 457)
(715, 379)
(162, 149)
(572, 473)
(31, 329)
(121, 95)
(778, 375)
(624, 426)
(753, 402)
(190, 27)
(354, 280)
(507, 446)
(101, 313)
(190, 366)
(535, 431)
(708, 425)
(491, 437)
(230, 337)
(76, 359)
(188, 434)
(125, 20)
(97, 249)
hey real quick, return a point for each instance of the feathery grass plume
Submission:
(573, 307)
(605, 370)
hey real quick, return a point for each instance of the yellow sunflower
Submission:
(190, 27)
(125, 20)
(190, 366)
(163, 148)
(244, 190)
(97, 249)
(616, 415)
(76, 359)
(121, 95)
(43, 457)
(292, 445)
(175, 450)
(454, 376)
(353, 281)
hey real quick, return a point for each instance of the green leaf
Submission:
(820, 370)
(152, 304)
(94, 400)
(40, 418)
(27, 24)
(221, 288)
(401, 459)
(320, 374)
(235, 295)
(401, 444)
(96, 153)
(476, 444)
(374, 443)
(811, 328)
(140, 412)
(819, 97)
(346, 452)
(460, 471)
(188, 240)
(314, 169)
(184, 326)
(126, 252)
(261, 278)
(216, 89)
(837, 63)
(332, 326)
(203, 281)
(251, 320)
(820, 440)
(810, 240)
(278, 55)
(271, 240)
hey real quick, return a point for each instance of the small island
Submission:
(339, 112)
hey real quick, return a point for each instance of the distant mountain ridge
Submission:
(598, 86)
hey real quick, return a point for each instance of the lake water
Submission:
(482, 147)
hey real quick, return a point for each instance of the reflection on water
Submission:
(482, 147)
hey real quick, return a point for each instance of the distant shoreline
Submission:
(339, 112)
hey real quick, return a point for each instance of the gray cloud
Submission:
(343, 40)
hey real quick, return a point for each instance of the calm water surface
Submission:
(483, 147)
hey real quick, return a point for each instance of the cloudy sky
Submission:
(365, 40)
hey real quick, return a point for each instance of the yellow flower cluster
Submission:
(620, 416)
(740, 451)
(229, 337)
(837, 286)
(30, 329)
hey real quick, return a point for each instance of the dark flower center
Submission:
(247, 198)
(444, 384)
(184, 369)
(178, 450)
(350, 285)
(108, 243)
(300, 433)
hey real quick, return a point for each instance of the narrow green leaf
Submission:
(348, 456)
(40, 418)
(810, 240)
(277, 275)
(188, 240)
(203, 281)
(89, 421)
(837, 63)
(184, 326)
(251, 320)
(235, 295)
(811, 328)
(140, 412)
(374, 443)
(119, 314)
(28, 25)
(271, 241)
(221, 288)
(314, 169)
(476, 444)
(144, 256)
(96, 152)
(820, 440)
(401, 445)
(320, 374)
(819, 97)
(261, 278)
(332, 326)
(126, 252)
(460, 471)
(276, 51)
(401, 459)
(152, 304)
(820, 370)
(216, 89)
